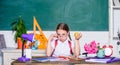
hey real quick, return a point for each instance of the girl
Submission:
(60, 43)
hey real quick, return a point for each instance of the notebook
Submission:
(102, 60)
(97, 60)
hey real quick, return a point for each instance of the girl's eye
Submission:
(63, 34)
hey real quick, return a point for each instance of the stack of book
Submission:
(102, 60)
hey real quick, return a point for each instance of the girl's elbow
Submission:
(48, 55)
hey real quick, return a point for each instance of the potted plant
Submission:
(18, 26)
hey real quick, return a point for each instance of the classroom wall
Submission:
(87, 37)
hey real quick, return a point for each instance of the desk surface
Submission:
(72, 62)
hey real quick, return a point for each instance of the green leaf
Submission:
(18, 26)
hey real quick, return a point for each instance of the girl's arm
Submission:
(49, 49)
(77, 45)
(77, 48)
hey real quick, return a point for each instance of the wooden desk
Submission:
(82, 62)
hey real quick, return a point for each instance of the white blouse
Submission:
(62, 48)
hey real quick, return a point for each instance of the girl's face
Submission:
(62, 35)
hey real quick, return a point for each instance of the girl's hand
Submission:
(77, 35)
(52, 36)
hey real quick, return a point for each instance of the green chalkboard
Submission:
(80, 15)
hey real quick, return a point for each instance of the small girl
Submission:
(60, 43)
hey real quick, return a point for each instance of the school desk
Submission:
(72, 62)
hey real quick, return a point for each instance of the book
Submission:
(40, 59)
(44, 59)
(97, 60)
(58, 59)
(102, 60)
(114, 60)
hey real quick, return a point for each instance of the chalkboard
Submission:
(80, 15)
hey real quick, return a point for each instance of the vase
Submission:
(19, 43)
(100, 53)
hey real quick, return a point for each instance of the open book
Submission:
(44, 59)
